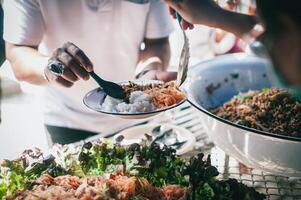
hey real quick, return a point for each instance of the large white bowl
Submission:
(236, 73)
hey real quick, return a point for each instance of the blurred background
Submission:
(21, 116)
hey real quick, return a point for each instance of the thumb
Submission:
(166, 76)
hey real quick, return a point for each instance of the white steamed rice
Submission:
(139, 102)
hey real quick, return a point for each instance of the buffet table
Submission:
(275, 187)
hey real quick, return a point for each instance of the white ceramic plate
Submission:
(95, 98)
(136, 134)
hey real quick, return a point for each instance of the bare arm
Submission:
(154, 59)
(156, 54)
(27, 63)
(208, 13)
(236, 23)
(30, 66)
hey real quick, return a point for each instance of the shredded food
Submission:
(116, 187)
(163, 95)
(272, 110)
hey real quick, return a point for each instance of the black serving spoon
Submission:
(112, 89)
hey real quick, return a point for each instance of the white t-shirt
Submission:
(108, 31)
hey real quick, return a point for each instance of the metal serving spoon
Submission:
(184, 58)
(112, 89)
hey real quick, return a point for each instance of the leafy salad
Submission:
(159, 165)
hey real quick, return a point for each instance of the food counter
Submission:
(274, 186)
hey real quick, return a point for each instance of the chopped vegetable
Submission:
(160, 166)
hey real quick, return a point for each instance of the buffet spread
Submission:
(106, 170)
(244, 108)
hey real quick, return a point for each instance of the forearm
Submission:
(27, 63)
(236, 23)
(156, 54)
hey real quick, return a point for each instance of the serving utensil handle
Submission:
(99, 80)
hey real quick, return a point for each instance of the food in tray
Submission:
(145, 98)
(104, 171)
(272, 110)
(96, 187)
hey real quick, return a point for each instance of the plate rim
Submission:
(132, 114)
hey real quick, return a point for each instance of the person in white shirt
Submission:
(109, 32)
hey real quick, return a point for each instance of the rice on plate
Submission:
(138, 102)
(144, 98)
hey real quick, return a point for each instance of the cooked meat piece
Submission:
(117, 187)
(45, 180)
(174, 192)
